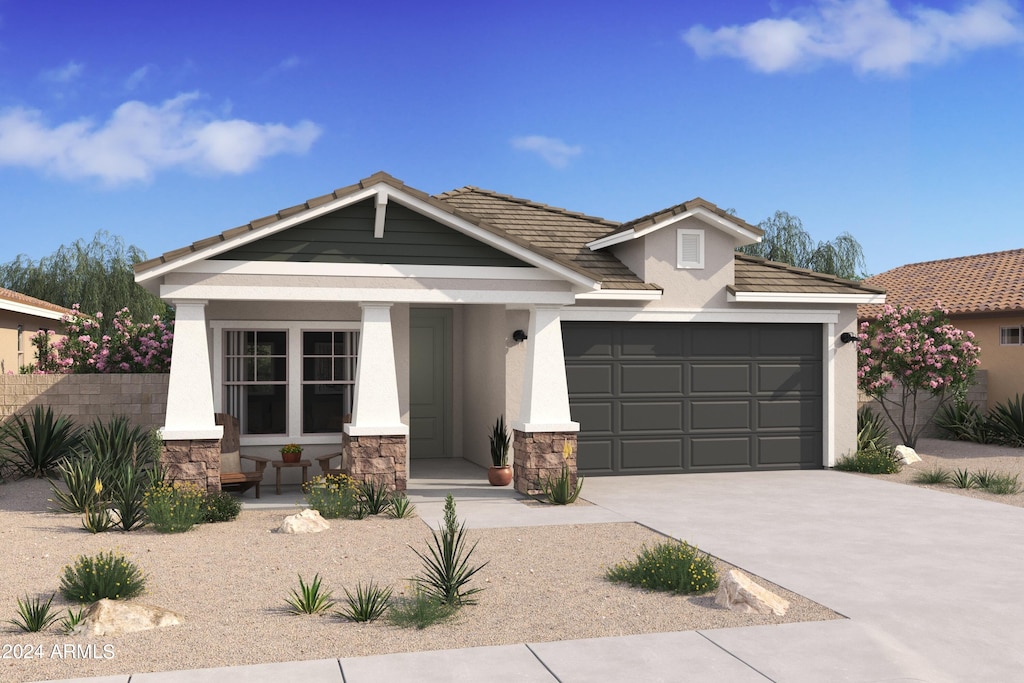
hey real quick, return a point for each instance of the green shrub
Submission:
(103, 576)
(1006, 421)
(933, 476)
(962, 479)
(399, 506)
(374, 496)
(38, 442)
(98, 519)
(368, 604)
(309, 598)
(446, 570)
(871, 461)
(71, 620)
(962, 421)
(174, 508)
(419, 610)
(999, 484)
(118, 442)
(33, 614)
(872, 430)
(128, 485)
(673, 566)
(221, 507)
(333, 496)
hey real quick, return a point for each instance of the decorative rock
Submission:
(114, 617)
(907, 454)
(736, 591)
(305, 522)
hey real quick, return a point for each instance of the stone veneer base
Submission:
(196, 462)
(376, 457)
(539, 455)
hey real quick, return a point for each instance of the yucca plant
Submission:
(933, 476)
(399, 506)
(83, 488)
(962, 479)
(368, 604)
(33, 614)
(419, 610)
(97, 520)
(446, 570)
(38, 442)
(71, 620)
(1006, 420)
(374, 496)
(309, 598)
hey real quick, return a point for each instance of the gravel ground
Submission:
(230, 580)
(974, 457)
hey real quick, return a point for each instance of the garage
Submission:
(658, 398)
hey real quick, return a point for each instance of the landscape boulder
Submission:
(114, 617)
(907, 455)
(738, 592)
(305, 522)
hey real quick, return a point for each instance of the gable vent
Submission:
(690, 248)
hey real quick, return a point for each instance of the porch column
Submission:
(375, 442)
(544, 434)
(191, 437)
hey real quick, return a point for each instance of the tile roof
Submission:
(19, 298)
(755, 274)
(983, 283)
(697, 202)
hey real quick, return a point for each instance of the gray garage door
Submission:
(689, 397)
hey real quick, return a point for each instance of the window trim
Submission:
(689, 265)
(294, 330)
(1007, 328)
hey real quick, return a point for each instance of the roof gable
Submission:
(701, 209)
(981, 283)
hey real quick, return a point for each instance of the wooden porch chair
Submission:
(231, 474)
(325, 460)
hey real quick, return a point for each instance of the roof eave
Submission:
(737, 231)
(735, 296)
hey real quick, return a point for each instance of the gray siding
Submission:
(346, 236)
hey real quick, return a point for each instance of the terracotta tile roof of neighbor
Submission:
(755, 274)
(19, 298)
(983, 283)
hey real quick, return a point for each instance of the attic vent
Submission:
(690, 248)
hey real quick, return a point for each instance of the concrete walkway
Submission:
(931, 583)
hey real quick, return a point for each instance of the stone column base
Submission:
(196, 462)
(375, 457)
(539, 455)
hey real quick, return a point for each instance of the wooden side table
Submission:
(278, 464)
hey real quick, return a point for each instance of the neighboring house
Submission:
(21, 316)
(653, 343)
(984, 294)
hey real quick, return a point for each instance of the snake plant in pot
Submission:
(500, 472)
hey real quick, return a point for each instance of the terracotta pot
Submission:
(499, 475)
(291, 457)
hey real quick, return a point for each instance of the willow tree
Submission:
(98, 275)
(785, 240)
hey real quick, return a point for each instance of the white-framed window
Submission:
(256, 379)
(328, 379)
(21, 346)
(1011, 336)
(689, 248)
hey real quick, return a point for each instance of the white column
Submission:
(545, 401)
(375, 410)
(190, 386)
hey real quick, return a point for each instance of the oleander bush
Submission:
(671, 566)
(106, 575)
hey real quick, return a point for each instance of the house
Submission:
(619, 348)
(983, 293)
(21, 316)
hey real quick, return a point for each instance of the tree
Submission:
(916, 353)
(785, 240)
(97, 275)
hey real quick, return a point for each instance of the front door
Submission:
(430, 382)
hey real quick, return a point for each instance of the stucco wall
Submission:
(483, 386)
(143, 398)
(9, 321)
(845, 378)
(1005, 364)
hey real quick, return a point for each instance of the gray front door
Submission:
(430, 382)
(695, 397)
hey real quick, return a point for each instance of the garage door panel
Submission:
(707, 416)
(719, 378)
(803, 450)
(647, 454)
(590, 380)
(595, 456)
(721, 341)
(789, 378)
(789, 340)
(789, 414)
(594, 418)
(657, 341)
(587, 341)
(651, 416)
(651, 378)
(722, 452)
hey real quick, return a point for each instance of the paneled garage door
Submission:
(695, 397)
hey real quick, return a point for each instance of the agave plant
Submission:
(872, 432)
(38, 442)
(1006, 420)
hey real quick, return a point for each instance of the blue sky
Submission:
(901, 123)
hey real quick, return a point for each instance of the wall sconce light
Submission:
(518, 336)
(846, 337)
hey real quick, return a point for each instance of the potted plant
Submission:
(500, 472)
(291, 452)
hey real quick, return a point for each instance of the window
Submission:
(689, 248)
(21, 346)
(1011, 336)
(256, 379)
(328, 379)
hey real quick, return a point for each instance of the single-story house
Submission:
(21, 317)
(397, 325)
(983, 293)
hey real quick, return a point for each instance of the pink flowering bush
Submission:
(130, 346)
(916, 353)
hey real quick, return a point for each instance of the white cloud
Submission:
(135, 79)
(64, 74)
(140, 139)
(552, 150)
(868, 34)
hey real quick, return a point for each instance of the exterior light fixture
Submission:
(846, 337)
(518, 336)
